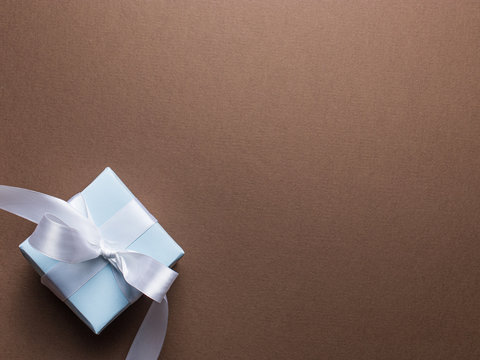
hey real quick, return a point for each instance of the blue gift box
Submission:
(100, 300)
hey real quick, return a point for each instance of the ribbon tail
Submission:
(33, 205)
(149, 339)
(130, 292)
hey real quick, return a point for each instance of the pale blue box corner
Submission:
(100, 300)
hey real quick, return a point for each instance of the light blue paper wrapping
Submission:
(100, 300)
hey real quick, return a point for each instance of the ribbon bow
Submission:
(69, 235)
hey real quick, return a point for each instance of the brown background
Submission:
(318, 161)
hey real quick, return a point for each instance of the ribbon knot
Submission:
(107, 253)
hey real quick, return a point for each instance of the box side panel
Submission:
(40, 262)
(96, 303)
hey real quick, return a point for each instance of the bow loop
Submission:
(155, 278)
(59, 241)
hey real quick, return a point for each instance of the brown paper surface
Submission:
(318, 161)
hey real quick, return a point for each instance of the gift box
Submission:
(100, 299)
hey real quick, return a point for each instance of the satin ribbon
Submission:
(67, 233)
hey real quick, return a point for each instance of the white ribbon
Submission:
(70, 236)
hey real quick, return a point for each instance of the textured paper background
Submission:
(318, 161)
